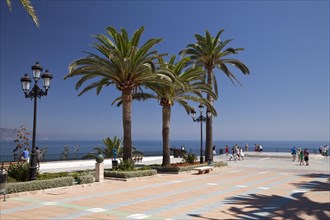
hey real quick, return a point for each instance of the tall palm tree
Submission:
(188, 86)
(210, 53)
(124, 65)
(29, 8)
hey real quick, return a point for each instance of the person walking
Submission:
(246, 147)
(227, 149)
(293, 153)
(214, 152)
(38, 154)
(242, 153)
(306, 156)
(26, 155)
(301, 157)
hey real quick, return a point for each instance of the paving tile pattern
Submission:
(246, 190)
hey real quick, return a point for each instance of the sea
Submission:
(78, 148)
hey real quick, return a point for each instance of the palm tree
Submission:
(124, 65)
(188, 86)
(110, 145)
(210, 53)
(29, 8)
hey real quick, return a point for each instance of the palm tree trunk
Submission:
(209, 121)
(166, 113)
(127, 124)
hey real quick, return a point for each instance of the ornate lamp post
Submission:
(35, 93)
(200, 119)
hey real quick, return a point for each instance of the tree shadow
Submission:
(297, 206)
(201, 217)
(314, 185)
(316, 175)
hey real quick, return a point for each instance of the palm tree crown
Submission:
(123, 64)
(210, 53)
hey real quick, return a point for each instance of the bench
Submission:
(205, 169)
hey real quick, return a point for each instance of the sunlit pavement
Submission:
(265, 187)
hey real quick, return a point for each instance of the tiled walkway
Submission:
(237, 192)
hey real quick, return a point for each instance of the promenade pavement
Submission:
(263, 186)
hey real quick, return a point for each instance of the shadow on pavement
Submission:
(315, 185)
(298, 206)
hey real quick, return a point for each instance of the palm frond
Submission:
(29, 8)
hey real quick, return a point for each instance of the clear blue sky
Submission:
(286, 43)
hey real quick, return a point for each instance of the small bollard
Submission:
(99, 168)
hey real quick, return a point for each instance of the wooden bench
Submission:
(205, 169)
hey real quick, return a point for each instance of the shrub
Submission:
(189, 158)
(219, 164)
(39, 184)
(125, 165)
(85, 179)
(19, 171)
(130, 174)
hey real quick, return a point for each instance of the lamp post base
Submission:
(33, 173)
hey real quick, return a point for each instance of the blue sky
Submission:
(286, 43)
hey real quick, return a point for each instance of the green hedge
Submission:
(129, 174)
(85, 179)
(75, 174)
(39, 184)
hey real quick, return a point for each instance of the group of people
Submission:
(258, 147)
(324, 150)
(237, 152)
(303, 155)
(25, 157)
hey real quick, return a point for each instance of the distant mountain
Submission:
(9, 134)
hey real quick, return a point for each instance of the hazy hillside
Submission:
(9, 134)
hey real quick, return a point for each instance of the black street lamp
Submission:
(35, 93)
(200, 119)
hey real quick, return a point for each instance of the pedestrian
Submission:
(38, 154)
(242, 153)
(293, 153)
(236, 149)
(233, 154)
(324, 151)
(321, 149)
(214, 152)
(301, 157)
(326, 147)
(26, 155)
(246, 147)
(227, 149)
(306, 156)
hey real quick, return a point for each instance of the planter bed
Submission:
(180, 167)
(122, 175)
